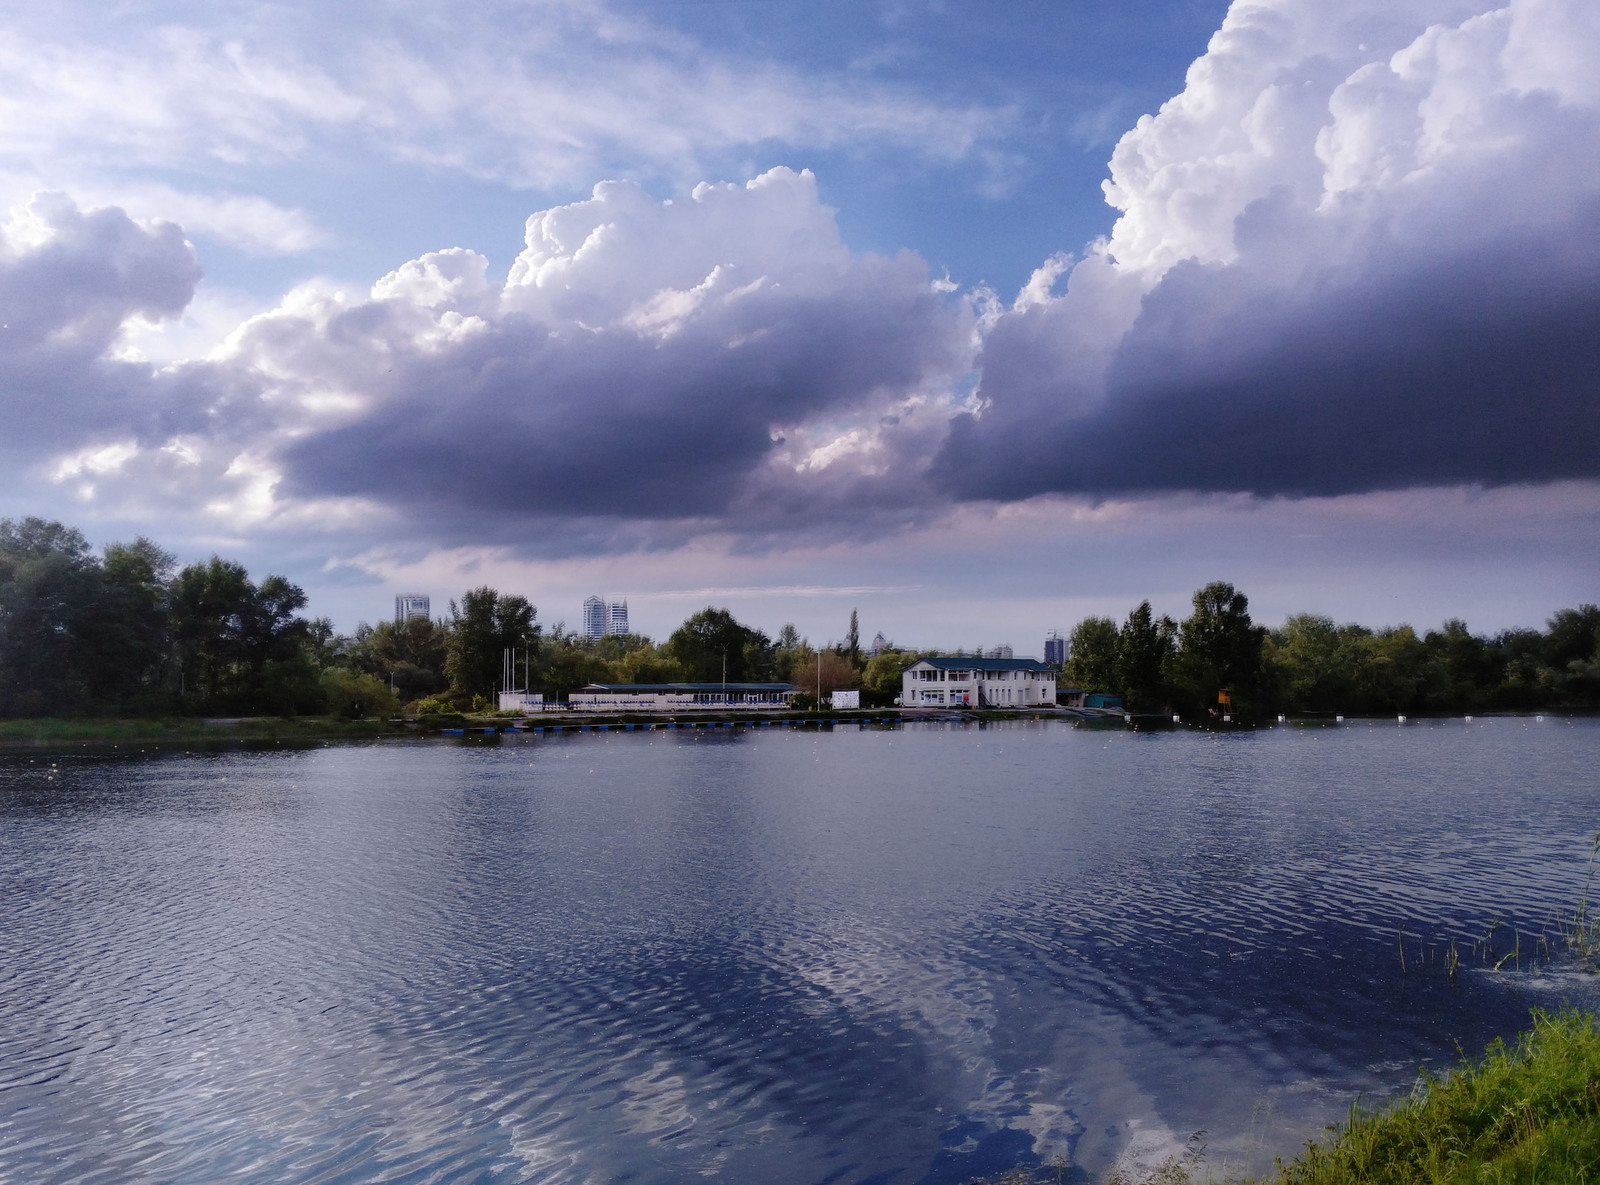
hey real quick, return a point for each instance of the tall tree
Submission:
(1220, 648)
(129, 637)
(1092, 655)
(1305, 659)
(710, 637)
(1144, 650)
(240, 647)
(1574, 636)
(852, 640)
(482, 629)
(50, 584)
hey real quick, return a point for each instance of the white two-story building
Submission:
(978, 683)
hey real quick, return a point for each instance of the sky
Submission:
(976, 318)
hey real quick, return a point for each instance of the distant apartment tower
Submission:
(1055, 649)
(998, 652)
(594, 618)
(602, 618)
(409, 605)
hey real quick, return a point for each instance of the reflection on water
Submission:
(911, 955)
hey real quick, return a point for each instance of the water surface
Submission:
(908, 955)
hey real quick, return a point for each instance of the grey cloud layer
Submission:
(69, 280)
(523, 418)
(723, 359)
(1484, 368)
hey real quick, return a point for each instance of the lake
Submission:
(913, 954)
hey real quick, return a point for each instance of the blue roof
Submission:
(986, 664)
(659, 688)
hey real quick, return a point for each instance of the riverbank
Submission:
(121, 731)
(1525, 1113)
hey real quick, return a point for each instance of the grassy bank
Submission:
(1525, 1113)
(181, 730)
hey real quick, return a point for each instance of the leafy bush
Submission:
(353, 696)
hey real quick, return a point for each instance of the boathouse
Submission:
(978, 683)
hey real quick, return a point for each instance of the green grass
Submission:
(114, 730)
(1528, 1113)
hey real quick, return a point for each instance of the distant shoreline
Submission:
(22, 735)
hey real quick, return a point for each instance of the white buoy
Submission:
(1402, 720)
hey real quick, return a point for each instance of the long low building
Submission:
(978, 683)
(683, 697)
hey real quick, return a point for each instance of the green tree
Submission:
(1572, 653)
(411, 655)
(1145, 647)
(702, 643)
(1220, 649)
(1391, 671)
(1092, 655)
(50, 587)
(852, 641)
(1306, 665)
(1460, 665)
(482, 629)
(129, 634)
(885, 673)
(241, 647)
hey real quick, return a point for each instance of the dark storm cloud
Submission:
(518, 419)
(1483, 368)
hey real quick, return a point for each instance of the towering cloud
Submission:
(1361, 250)
(643, 359)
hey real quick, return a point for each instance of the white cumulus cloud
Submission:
(1360, 250)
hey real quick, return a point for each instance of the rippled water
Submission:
(884, 955)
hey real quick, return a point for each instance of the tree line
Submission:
(127, 631)
(1311, 665)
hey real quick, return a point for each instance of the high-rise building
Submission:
(603, 618)
(595, 617)
(1055, 649)
(409, 605)
(1001, 651)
